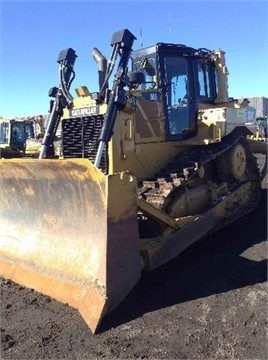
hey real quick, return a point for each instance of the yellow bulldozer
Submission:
(147, 168)
(13, 137)
(19, 137)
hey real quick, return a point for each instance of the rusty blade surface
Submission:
(64, 232)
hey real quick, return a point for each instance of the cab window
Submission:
(4, 128)
(206, 81)
(177, 94)
(147, 65)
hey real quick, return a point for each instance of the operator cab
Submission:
(16, 133)
(21, 131)
(184, 77)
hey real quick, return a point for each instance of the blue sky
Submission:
(34, 32)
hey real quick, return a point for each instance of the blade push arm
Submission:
(122, 42)
(62, 99)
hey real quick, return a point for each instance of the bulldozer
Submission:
(19, 137)
(147, 168)
(13, 137)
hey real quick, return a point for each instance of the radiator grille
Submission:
(80, 137)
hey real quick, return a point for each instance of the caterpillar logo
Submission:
(86, 111)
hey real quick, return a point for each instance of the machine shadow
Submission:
(213, 265)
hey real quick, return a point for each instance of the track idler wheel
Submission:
(233, 163)
(238, 161)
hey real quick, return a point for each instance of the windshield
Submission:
(147, 65)
(19, 135)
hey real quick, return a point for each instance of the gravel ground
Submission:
(209, 303)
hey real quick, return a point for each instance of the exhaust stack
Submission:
(102, 66)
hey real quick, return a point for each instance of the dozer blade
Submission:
(70, 232)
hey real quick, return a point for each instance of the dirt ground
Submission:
(209, 303)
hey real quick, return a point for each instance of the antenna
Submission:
(169, 23)
(141, 37)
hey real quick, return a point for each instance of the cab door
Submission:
(180, 105)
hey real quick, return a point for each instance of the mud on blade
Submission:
(70, 232)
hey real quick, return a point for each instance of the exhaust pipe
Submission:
(102, 66)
